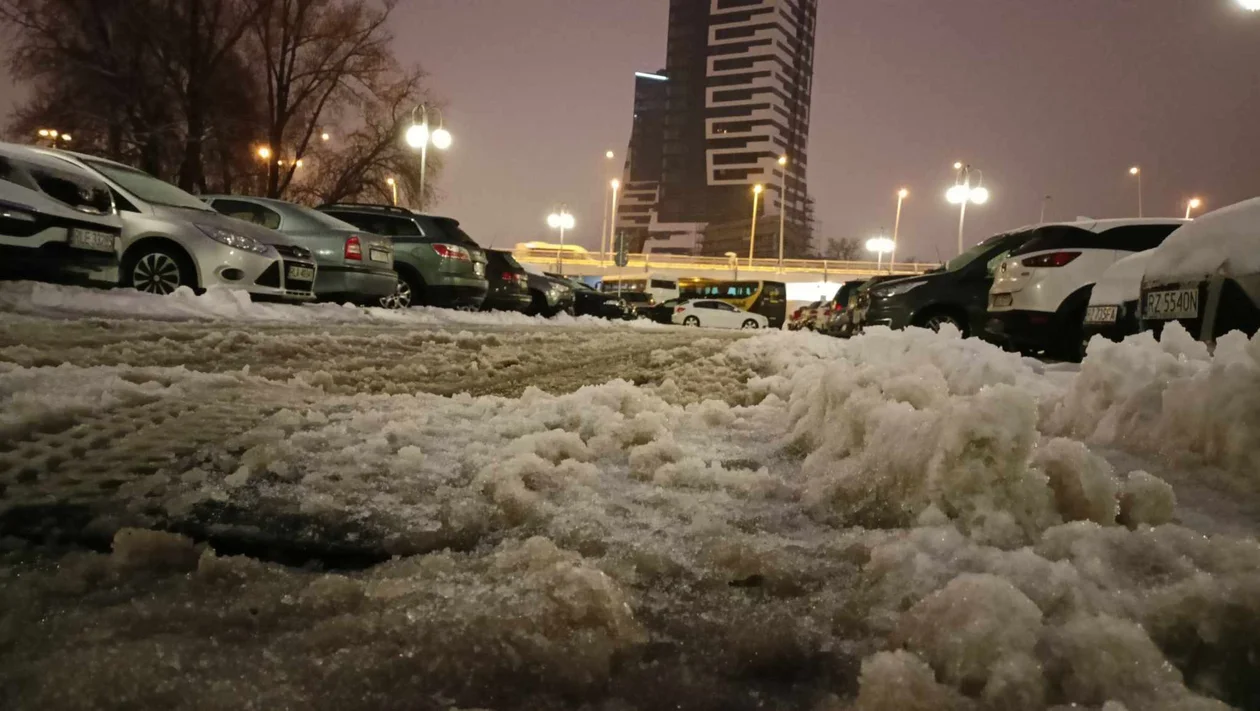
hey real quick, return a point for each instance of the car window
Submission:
(301, 217)
(726, 307)
(1138, 238)
(976, 252)
(381, 224)
(449, 229)
(249, 212)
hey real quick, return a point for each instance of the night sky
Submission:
(1056, 98)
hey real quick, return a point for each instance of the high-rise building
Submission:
(642, 175)
(737, 98)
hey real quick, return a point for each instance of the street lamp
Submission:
(325, 137)
(902, 194)
(1252, 5)
(419, 136)
(783, 161)
(1196, 203)
(752, 237)
(53, 136)
(1137, 172)
(963, 193)
(562, 221)
(880, 246)
(605, 236)
(393, 185)
(264, 153)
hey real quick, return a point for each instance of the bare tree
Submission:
(842, 249)
(316, 54)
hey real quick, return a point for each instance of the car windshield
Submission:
(974, 253)
(148, 188)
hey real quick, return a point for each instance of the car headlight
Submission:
(898, 289)
(232, 239)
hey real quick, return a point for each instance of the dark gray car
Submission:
(353, 265)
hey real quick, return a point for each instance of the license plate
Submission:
(1172, 304)
(301, 273)
(1101, 314)
(91, 239)
(1001, 300)
(479, 269)
(378, 255)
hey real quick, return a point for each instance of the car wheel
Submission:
(158, 270)
(691, 321)
(408, 292)
(750, 324)
(936, 320)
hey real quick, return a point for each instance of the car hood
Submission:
(214, 219)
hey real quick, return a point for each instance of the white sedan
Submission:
(716, 314)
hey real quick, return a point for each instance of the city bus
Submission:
(660, 288)
(768, 298)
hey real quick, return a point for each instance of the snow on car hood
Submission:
(1226, 241)
(1122, 281)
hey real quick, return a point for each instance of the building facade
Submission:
(736, 99)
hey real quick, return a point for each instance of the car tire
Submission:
(409, 292)
(934, 321)
(750, 325)
(157, 269)
(691, 321)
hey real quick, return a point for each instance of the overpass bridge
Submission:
(807, 279)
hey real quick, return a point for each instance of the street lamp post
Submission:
(562, 221)
(733, 259)
(1137, 171)
(393, 185)
(902, 194)
(783, 161)
(1194, 203)
(752, 235)
(605, 236)
(963, 193)
(1044, 202)
(419, 136)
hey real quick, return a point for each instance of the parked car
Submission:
(834, 313)
(57, 221)
(548, 295)
(958, 295)
(509, 283)
(1206, 275)
(353, 265)
(641, 302)
(437, 263)
(662, 312)
(588, 301)
(709, 313)
(1113, 303)
(856, 315)
(172, 239)
(1040, 291)
(797, 320)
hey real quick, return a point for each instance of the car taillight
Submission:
(511, 276)
(1054, 259)
(452, 251)
(354, 250)
(679, 309)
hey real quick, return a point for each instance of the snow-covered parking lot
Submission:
(226, 505)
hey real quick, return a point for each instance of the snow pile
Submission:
(1223, 242)
(1169, 396)
(222, 304)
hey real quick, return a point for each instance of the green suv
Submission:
(437, 263)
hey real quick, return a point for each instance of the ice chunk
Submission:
(900, 681)
(1146, 499)
(1084, 486)
(139, 548)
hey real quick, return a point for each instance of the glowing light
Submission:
(442, 139)
(1134, 170)
(560, 221)
(264, 152)
(325, 137)
(903, 193)
(758, 188)
(783, 160)
(609, 155)
(654, 77)
(879, 245)
(980, 195)
(418, 135)
(957, 195)
(616, 184)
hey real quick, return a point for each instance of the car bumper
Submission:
(884, 314)
(57, 261)
(264, 276)
(353, 283)
(1021, 329)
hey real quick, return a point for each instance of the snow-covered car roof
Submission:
(1226, 241)
(1122, 281)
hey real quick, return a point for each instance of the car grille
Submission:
(271, 277)
(293, 252)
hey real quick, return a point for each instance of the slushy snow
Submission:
(900, 521)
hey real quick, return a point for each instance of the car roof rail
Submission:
(369, 205)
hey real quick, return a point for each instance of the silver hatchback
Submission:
(172, 239)
(353, 265)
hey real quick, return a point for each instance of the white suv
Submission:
(1040, 292)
